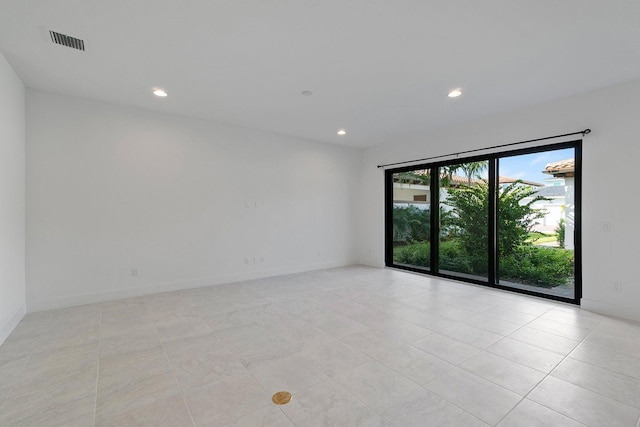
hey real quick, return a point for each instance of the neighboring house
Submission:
(565, 170)
(553, 208)
(504, 181)
(413, 188)
(559, 189)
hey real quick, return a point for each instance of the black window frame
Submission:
(493, 162)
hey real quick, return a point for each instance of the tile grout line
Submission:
(11, 389)
(591, 331)
(546, 375)
(245, 368)
(95, 406)
(492, 382)
(539, 316)
(329, 378)
(525, 397)
(340, 385)
(238, 360)
(175, 377)
(596, 366)
(400, 343)
(410, 344)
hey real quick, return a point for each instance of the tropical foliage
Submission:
(560, 231)
(464, 236)
(410, 224)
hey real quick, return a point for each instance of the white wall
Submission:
(610, 177)
(12, 199)
(182, 201)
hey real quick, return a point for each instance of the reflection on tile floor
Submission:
(356, 346)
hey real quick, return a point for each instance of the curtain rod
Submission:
(582, 132)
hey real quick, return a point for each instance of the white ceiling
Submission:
(379, 68)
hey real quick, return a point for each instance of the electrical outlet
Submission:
(617, 286)
(135, 272)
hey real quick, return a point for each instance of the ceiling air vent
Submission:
(68, 41)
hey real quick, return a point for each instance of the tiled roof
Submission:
(457, 179)
(562, 166)
(509, 180)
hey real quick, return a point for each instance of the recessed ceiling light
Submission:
(160, 93)
(342, 132)
(307, 93)
(455, 93)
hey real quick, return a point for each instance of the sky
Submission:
(530, 166)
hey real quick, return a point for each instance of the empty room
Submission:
(319, 213)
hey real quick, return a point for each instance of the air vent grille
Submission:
(68, 41)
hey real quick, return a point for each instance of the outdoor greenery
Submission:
(537, 265)
(472, 169)
(560, 232)
(410, 224)
(464, 235)
(538, 238)
(417, 254)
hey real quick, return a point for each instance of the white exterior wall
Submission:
(569, 213)
(405, 192)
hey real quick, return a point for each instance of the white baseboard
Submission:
(74, 300)
(371, 262)
(611, 309)
(11, 323)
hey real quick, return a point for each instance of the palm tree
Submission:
(446, 175)
(471, 169)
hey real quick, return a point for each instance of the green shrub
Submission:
(532, 265)
(452, 258)
(560, 230)
(470, 204)
(417, 254)
(538, 266)
(410, 224)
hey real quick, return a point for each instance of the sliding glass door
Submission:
(411, 218)
(464, 222)
(536, 222)
(509, 220)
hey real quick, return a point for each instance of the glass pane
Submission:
(536, 222)
(464, 225)
(411, 219)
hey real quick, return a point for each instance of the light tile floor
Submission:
(356, 346)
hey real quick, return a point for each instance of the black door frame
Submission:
(492, 159)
